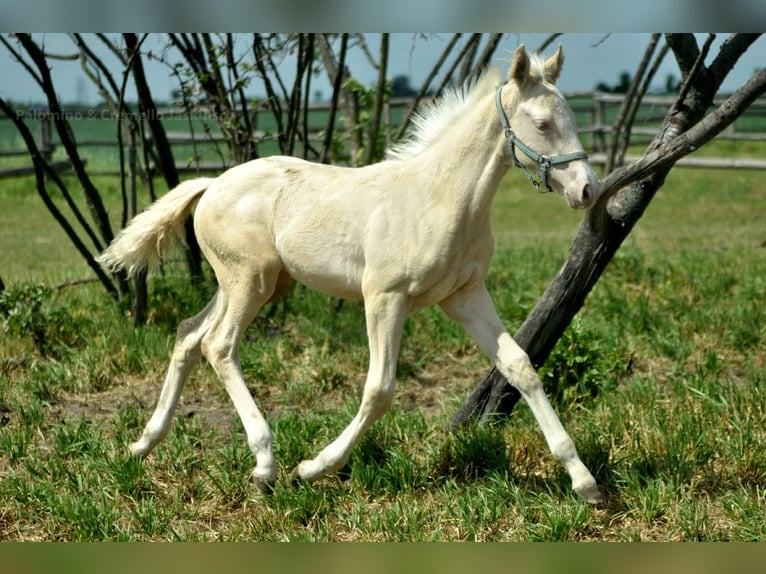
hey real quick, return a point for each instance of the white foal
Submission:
(408, 232)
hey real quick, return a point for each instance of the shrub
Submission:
(580, 366)
(32, 310)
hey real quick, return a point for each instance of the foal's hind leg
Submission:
(186, 353)
(385, 320)
(244, 290)
(475, 311)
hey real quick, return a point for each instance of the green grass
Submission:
(660, 381)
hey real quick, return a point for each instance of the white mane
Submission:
(431, 121)
(537, 68)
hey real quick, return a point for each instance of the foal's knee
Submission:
(521, 374)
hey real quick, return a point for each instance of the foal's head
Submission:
(541, 129)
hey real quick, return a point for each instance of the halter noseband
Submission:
(543, 161)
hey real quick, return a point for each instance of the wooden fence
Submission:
(598, 108)
(654, 109)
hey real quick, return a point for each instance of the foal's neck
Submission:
(471, 160)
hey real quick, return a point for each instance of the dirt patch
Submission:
(205, 401)
(142, 396)
(430, 391)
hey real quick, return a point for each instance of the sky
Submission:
(590, 58)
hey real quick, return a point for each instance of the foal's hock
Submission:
(402, 234)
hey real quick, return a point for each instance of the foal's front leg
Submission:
(385, 314)
(474, 310)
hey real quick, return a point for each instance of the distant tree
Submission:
(401, 88)
(672, 84)
(621, 87)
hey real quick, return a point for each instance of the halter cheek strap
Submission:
(543, 161)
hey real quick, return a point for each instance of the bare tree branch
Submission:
(699, 64)
(448, 76)
(630, 102)
(93, 199)
(424, 88)
(20, 59)
(362, 43)
(691, 140)
(42, 170)
(548, 41)
(247, 150)
(471, 47)
(731, 50)
(265, 66)
(347, 102)
(484, 59)
(635, 104)
(336, 93)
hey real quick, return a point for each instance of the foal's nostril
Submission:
(586, 192)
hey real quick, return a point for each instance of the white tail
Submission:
(151, 234)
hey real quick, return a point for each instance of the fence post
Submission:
(599, 122)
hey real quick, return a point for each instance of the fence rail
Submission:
(597, 108)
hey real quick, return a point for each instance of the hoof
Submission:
(590, 493)
(299, 475)
(305, 473)
(265, 485)
(137, 450)
(295, 478)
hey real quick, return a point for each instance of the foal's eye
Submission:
(542, 125)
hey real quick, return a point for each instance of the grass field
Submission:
(660, 381)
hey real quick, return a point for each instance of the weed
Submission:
(581, 366)
(472, 453)
(381, 466)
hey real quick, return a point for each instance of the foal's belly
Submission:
(328, 262)
(325, 275)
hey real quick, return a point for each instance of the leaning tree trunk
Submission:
(609, 222)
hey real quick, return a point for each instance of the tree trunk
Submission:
(336, 78)
(164, 151)
(609, 222)
(380, 95)
(347, 100)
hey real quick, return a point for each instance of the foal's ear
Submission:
(553, 66)
(520, 66)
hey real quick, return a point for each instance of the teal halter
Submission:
(542, 160)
